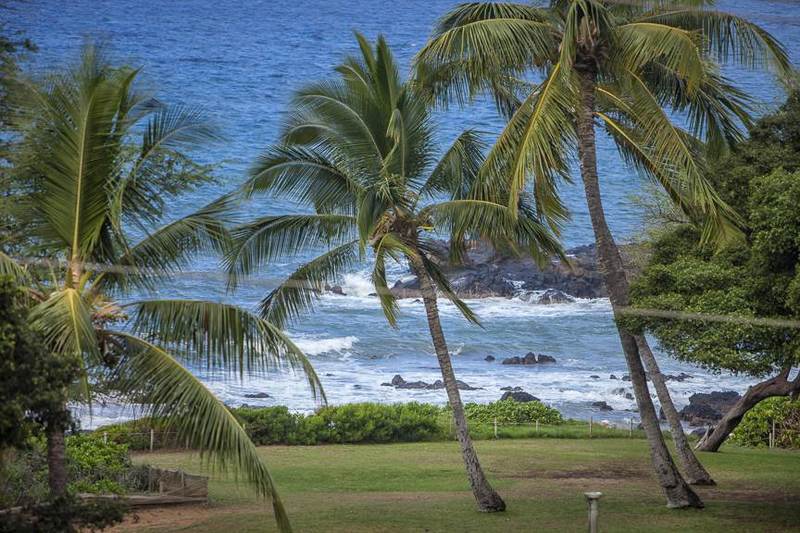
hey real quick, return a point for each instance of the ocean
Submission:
(241, 61)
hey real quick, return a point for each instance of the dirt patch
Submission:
(601, 472)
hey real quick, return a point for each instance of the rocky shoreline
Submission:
(487, 273)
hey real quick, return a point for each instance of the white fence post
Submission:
(590, 427)
(152, 438)
(495, 427)
(105, 437)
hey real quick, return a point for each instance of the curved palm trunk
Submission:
(779, 385)
(488, 500)
(56, 460)
(694, 470)
(677, 491)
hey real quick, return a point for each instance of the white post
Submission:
(592, 498)
(105, 437)
(774, 444)
(537, 425)
(495, 427)
(590, 427)
(630, 429)
(152, 438)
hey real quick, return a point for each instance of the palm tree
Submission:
(358, 152)
(99, 163)
(624, 66)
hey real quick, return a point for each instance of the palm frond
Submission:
(262, 240)
(534, 144)
(305, 175)
(477, 45)
(173, 393)
(457, 169)
(390, 245)
(728, 37)
(220, 335)
(299, 292)
(441, 282)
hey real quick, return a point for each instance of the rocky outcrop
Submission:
(530, 359)
(622, 391)
(519, 396)
(708, 408)
(554, 296)
(602, 406)
(399, 383)
(257, 395)
(485, 272)
(489, 358)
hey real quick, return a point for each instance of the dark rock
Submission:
(708, 408)
(519, 396)
(337, 289)
(357, 386)
(257, 395)
(603, 406)
(612, 376)
(594, 376)
(622, 391)
(489, 358)
(529, 359)
(683, 376)
(399, 383)
(554, 296)
(485, 272)
(328, 374)
(512, 389)
(626, 377)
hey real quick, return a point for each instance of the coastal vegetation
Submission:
(625, 67)
(753, 284)
(358, 152)
(97, 163)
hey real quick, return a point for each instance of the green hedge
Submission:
(756, 425)
(511, 412)
(349, 423)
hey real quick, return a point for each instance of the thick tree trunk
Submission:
(777, 386)
(695, 473)
(488, 500)
(677, 491)
(56, 460)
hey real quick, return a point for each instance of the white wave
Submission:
(315, 346)
(357, 284)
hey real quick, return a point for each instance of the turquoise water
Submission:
(241, 61)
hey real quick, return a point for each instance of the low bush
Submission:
(756, 425)
(349, 423)
(510, 412)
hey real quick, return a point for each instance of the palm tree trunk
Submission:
(696, 474)
(56, 460)
(677, 491)
(488, 500)
(779, 385)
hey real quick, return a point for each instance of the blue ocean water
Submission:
(241, 61)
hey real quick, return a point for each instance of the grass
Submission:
(422, 487)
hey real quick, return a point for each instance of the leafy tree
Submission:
(623, 66)
(33, 381)
(752, 288)
(99, 162)
(358, 152)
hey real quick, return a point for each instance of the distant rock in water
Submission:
(485, 272)
(399, 383)
(512, 389)
(622, 391)
(594, 376)
(708, 408)
(554, 296)
(519, 396)
(530, 359)
(257, 395)
(602, 406)
(489, 358)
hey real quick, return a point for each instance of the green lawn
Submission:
(422, 487)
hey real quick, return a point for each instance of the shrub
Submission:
(512, 412)
(756, 425)
(96, 466)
